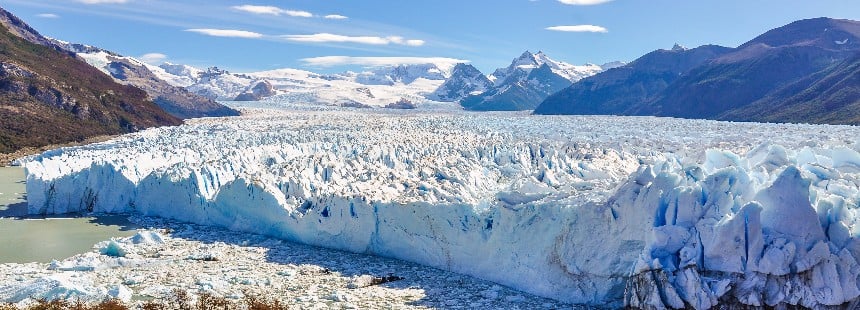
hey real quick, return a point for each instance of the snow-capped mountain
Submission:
(404, 74)
(528, 61)
(178, 75)
(218, 84)
(378, 87)
(521, 86)
(465, 80)
(166, 90)
(529, 80)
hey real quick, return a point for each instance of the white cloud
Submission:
(298, 13)
(153, 58)
(102, 1)
(48, 15)
(228, 33)
(578, 28)
(271, 10)
(331, 61)
(415, 42)
(584, 2)
(336, 38)
(335, 16)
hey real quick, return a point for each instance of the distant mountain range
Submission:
(174, 99)
(378, 87)
(49, 96)
(521, 86)
(806, 72)
(526, 82)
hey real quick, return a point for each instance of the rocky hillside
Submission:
(803, 72)
(48, 96)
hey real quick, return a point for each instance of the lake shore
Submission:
(7, 159)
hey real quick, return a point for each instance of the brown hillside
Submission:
(50, 97)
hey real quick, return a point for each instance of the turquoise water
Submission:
(24, 240)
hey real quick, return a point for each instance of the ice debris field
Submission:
(170, 256)
(604, 211)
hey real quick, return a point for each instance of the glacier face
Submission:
(597, 210)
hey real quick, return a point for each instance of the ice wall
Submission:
(570, 208)
(773, 227)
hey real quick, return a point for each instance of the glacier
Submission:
(597, 210)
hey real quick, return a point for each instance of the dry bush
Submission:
(179, 300)
(255, 303)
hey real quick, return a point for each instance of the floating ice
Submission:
(594, 210)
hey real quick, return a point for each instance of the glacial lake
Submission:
(28, 239)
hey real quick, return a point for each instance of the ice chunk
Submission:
(112, 248)
(147, 237)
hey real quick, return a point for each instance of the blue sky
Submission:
(258, 35)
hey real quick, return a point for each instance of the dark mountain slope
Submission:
(802, 72)
(616, 90)
(831, 96)
(48, 97)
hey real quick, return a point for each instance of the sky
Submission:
(337, 35)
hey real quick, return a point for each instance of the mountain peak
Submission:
(679, 47)
(526, 54)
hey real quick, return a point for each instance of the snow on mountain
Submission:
(523, 65)
(101, 59)
(465, 80)
(377, 87)
(166, 89)
(179, 75)
(612, 65)
(524, 84)
(218, 84)
(404, 74)
(752, 214)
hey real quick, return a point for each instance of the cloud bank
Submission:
(336, 38)
(584, 2)
(271, 10)
(227, 33)
(276, 11)
(578, 28)
(102, 1)
(331, 61)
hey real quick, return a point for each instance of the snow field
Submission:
(591, 210)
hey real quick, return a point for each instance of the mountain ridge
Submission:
(48, 96)
(174, 99)
(746, 83)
